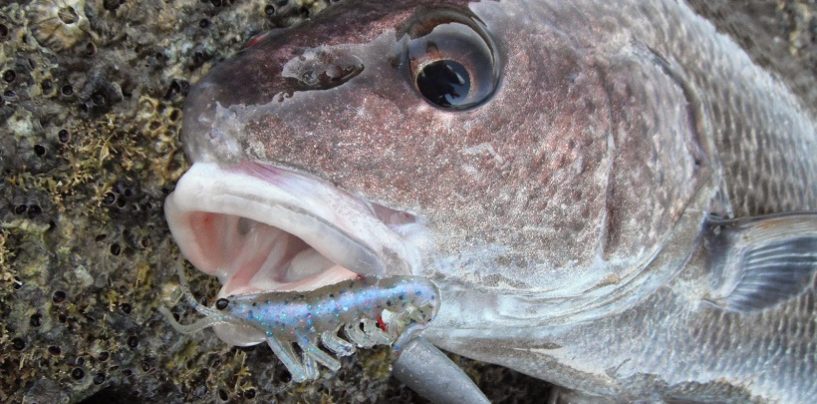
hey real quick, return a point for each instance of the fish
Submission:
(609, 196)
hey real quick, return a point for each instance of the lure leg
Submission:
(287, 356)
(310, 367)
(336, 344)
(357, 335)
(312, 350)
(431, 374)
(374, 333)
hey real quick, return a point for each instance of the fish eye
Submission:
(445, 83)
(452, 60)
(222, 303)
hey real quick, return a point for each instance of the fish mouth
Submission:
(263, 228)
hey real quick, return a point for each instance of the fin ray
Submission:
(762, 262)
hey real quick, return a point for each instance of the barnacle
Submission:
(59, 24)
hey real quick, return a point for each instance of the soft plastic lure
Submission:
(371, 311)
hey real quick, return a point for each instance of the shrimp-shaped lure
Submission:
(371, 311)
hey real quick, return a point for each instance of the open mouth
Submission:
(261, 228)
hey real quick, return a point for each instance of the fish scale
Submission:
(780, 146)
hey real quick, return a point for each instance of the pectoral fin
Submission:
(758, 263)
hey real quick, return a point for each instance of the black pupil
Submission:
(221, 304)
(445, 83)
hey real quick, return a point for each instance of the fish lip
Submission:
(343, 228)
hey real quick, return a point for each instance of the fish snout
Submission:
(212, 130)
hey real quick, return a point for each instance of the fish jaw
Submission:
(262, 228)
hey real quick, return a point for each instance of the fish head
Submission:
(496, 146)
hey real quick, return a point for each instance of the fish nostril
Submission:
(322, 69)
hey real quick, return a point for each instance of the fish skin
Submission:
(569, 207)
